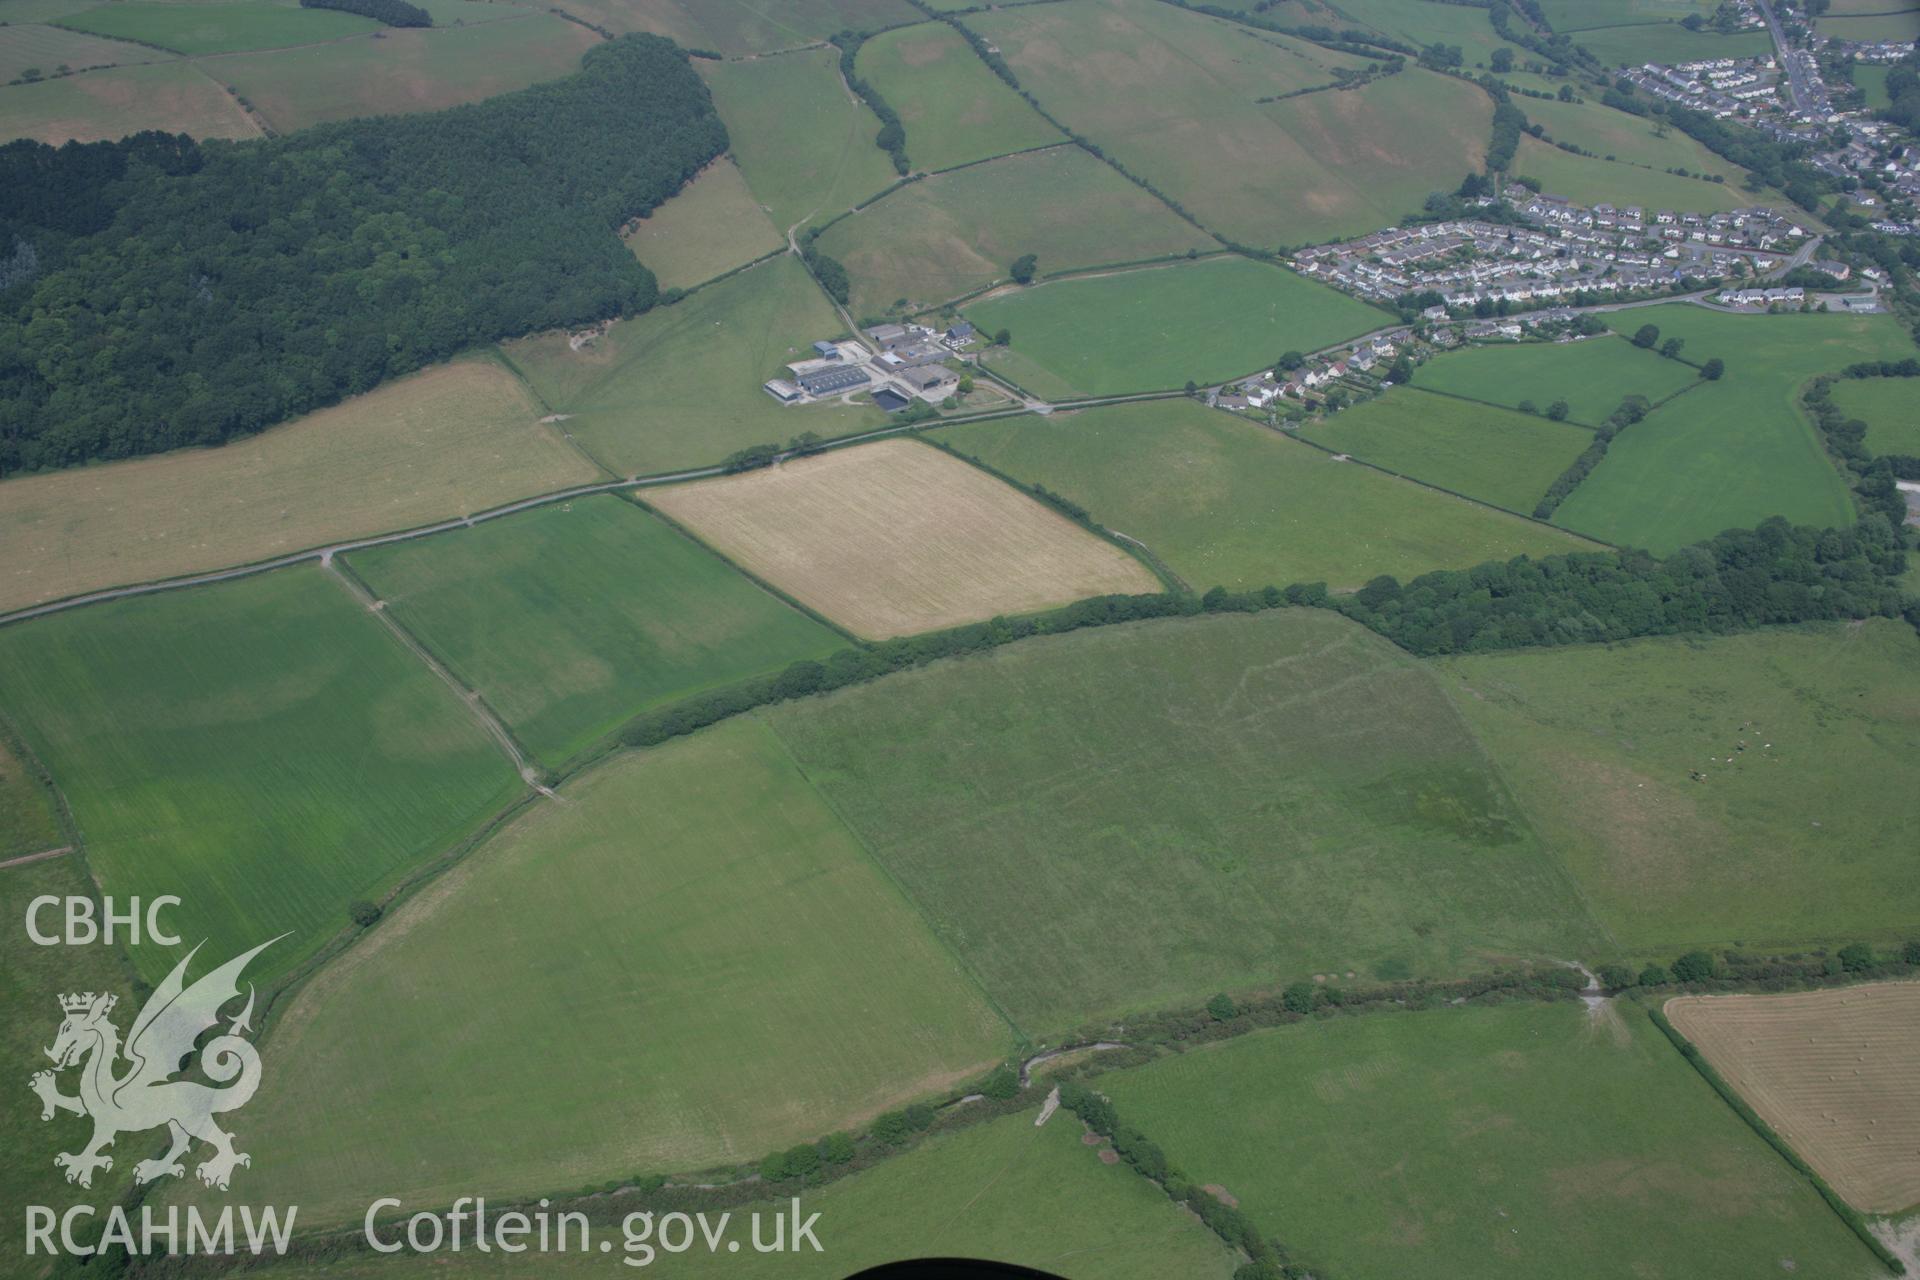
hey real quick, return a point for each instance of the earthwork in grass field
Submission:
(1177, 97)
(1230, 503)
(1752, 790)
(1003, 1189)
(27, 821)
(680, 386)
(956, 232)
(954, 109)
(1137, 816)
(571, 618)
(1157, 328)
(260, 748)
(675, 912)
(1496, 455)
(895, 537)
(1592, 375)
(1505, 1143)
(169, 96)
(449, 441)
(713, 225)
(803, 142)
(1736, 451)
(1833, 1072)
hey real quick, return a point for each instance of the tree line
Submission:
(189, 293)
(395, 13)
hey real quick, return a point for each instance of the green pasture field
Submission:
(1504, 1143)
(32, 980)
(31, 45)
(957, 232)
(171, 96)
(1628, 139)
(746, 26)
(1586, 15)
(218, 28)
(1419, 23)
(954, 109)
(1003, 1189)
(805, 147)
(1796, 839)
(1872, 78)
(1586, 180)
(1173, 95)
(1668, 42)
(27, 820)
(681, 386)
(1592, 375)
(711, 226)
(1891, 22)
(1139, 816)
(1495, 455)
(569, 619)
(1736, 451)
(1226, 502)
(260, 748)
(1159, 327)
(17, 12)
(687, 961)
(404, 70)
(1889, 406)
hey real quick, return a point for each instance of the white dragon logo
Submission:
(144, 1097)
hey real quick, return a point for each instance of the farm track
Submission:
(41, 856)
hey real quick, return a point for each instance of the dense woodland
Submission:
(395, 13)
(158, 292)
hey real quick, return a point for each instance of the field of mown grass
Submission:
(171, 96)
(417, 69)
(1503, 1143)
(957, 232)
(448, 441)
(954, 109)
(1832, 1072)
(1002, 1190)
(1586, 180)
(32, 980)
(1174, 95)
(221, 28)
(1872, 80)
(804, 146)
(711, 226)
(1585, 15)
(27, 820)
(1495, 455)
(570, 619)
(1796, 839)
(1733, 452)
(681, 386)
(26, 45)
(1227, 502)
(260, 748)
(1157, 328)
(1891, 20)
(894, 538)
(688, 961)
(1889, 406)
(1592, 375)
(1139, 816)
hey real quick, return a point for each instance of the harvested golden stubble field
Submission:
(1836, 1073)
(447, 441)
(894, 538)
